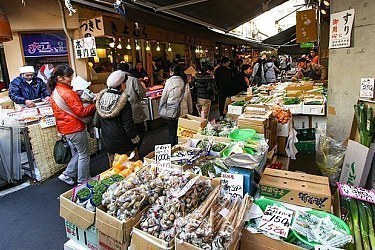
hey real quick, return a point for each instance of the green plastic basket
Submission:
(242, 134)
(227, 151)
(340, 224)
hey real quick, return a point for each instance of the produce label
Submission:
(232, 184)
(15, 115)
(276, 220)
(357, 193)
(70, 228)
(163, 157)
(30, 112)
(187, 187)
(46, 111)
(367, 88)
(273, 192)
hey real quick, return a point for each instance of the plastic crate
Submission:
(306, 134)
(305, 146)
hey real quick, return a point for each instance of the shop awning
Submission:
(285, 43)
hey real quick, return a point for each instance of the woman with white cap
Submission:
(70, 114)
(27, 87)
(119, 133)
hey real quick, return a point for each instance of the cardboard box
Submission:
(143, 240)
(244, 98)
(314, 109)
(262, 242)
(281, 144)
(300, 86)
(295, 108)
(108, 243)
(87, 238)
(271, 133)
(74, 213)
(181, 245)
(260, 125)
(6, 103)
(232, 117)
(283, 129)
(296, 188)
(235, 110)
(357, 164)
(215, 138)
(115, 228)
(191, 122)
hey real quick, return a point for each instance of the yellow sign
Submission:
(306, 27)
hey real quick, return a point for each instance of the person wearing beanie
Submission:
(27, 87)
(119, 134)
(136, 92)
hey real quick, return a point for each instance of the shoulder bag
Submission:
(61, 152)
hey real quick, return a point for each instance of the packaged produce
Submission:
(208, 166)
(186, 156)
(220, 128)
(282, 115)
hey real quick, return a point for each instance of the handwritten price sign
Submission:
(276, 220)
(232, 184)
(163, 157)
(367, 88)
(357, 193)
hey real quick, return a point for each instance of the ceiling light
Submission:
(112, 45)
(147, 46)
(206, 50)
(216, 47)
(158, 47)
(323, 11)
(232, 48)
(119, 46)
(137, 47)
(326, 3)
(169, 47)
(128, 46)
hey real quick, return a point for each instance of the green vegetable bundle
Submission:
(292, 101)
(360, 219)
(366, 123)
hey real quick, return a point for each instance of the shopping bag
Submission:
(61, 151)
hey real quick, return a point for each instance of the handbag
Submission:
(61, 151)
(171, 109)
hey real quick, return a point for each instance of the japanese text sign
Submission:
(232, 184)
(44, 44)
(306, 26)
(163, 157)
(367, 88)
(357, 193)
(340, 29)
(84, 48)
(276, 220)
(92, 27)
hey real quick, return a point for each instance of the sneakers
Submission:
(68, 180)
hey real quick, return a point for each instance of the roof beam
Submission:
(178, 5)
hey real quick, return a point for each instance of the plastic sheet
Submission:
(330, 157)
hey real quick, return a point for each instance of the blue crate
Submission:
(248, 178)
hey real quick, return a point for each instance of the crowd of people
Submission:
(118, 111)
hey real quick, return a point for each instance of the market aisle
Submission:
(30, 217)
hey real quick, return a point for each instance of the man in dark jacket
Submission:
(140, 73)
(223, 78)
(27, 87)
(242, 82)
(206, 87)
(119, 134)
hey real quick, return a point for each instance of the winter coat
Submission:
(20, 90)
(314, 71)
(136, 92)
(119, 134)
(224, 79)
(258, 73)
(66, 123)
(240, 83)
(270, 71)
(173, 90)
(205, 84)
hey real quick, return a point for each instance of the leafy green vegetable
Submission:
(101, 188)
(83, 194)
(218, 147)
(117, 177)
(93, 183)
(108, 181)
(96, 199)
(371, 233)
(355, 219)
(292, 101)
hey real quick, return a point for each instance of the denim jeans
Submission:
(79, 165)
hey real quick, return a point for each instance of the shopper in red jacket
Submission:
(70, 117)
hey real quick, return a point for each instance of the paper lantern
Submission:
(5, 31)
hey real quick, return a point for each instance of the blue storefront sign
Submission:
(44, 44)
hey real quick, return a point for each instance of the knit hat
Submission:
(27, 69)
(115, 79)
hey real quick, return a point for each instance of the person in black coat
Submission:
(206, 87)
(242, 82)
(224, 79)
(119, 134)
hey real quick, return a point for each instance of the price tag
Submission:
(357, 193)
(30, 112)
(46, 110)
(187, 187)
(15, 115)
(276, 220)
(163, 157)
(232, 183)
(367, 88)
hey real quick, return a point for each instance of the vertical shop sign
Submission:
(85, 47)
(44, 44)
(306, 26)
(92, 27)
(367, 88)
(340, 29)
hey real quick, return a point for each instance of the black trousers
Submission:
(222, 98)
(172, 130)
(141, 129)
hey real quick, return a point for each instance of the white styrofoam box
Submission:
(314, 109)
(295, 108)
(235, 110)
(72, 245)
(301, 122)
(88, 238)
(319, 122)
(283, 129)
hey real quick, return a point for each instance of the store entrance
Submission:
(4, 76)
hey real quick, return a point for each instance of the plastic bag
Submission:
(330, 157)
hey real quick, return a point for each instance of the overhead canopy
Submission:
(285, 43)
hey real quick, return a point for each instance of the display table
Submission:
(42, 143)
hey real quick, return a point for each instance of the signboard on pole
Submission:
(84, 48)
(306, 26)
(340, 29)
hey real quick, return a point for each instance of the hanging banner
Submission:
(44, 44)
(340, 29)
(306, 26)
(84, 48)
(92, 27)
